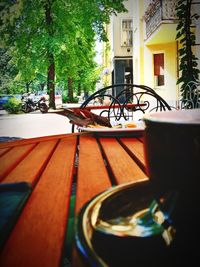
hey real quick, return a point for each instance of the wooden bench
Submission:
(50, 165)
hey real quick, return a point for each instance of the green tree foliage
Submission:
(8, 71)
(55, 37)
(186, 37)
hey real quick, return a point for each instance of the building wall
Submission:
(118, 50)
(169, 90)
(116, 57)
(143, 67)
(162, 40)
(138, 42)
(107, 58)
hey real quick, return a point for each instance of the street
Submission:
(31, 125)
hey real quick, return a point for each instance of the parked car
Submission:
(4, 99)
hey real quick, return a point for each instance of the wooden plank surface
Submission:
(4, 150)
(136, 148)
(38, 236)
(92, 179)
(30, 168)
(120, 163)
(33, 140)
(123, 167)
(9, 160)
(92, 174)
(37, 239)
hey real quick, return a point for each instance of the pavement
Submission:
(31, 125)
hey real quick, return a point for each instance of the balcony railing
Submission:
(159, 11)
(192, 96)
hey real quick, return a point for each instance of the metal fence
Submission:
(192, 97)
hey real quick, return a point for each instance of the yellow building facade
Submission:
(153, 49)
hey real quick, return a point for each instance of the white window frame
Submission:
(164, 71)
(127, 33)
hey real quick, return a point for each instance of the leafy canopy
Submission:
(69, 38)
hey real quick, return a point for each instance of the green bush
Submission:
(75, 99)
(13, 106)
(65, 99)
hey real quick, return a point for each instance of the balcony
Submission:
(160, 16)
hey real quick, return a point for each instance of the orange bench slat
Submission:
(4, 150)
(92, 174)
(136, 147)
(29, 169)
(120, 162)
(37, 239)
(9, 160)
(92, 179)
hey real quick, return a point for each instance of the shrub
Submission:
(65, 99)
(13, 106)
(75, 99)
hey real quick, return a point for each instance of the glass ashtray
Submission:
(124, 226)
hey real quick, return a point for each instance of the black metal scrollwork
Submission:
(125, 100)
(143, 97)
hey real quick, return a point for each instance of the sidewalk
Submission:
(31, 125)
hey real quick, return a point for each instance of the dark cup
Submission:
(172, 149)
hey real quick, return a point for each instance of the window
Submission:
(127, 32)
(158, 60)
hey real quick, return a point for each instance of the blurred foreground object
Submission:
(83, 117)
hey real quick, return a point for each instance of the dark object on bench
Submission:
(84, 117)
(12, 198)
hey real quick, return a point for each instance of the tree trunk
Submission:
(51, 67)
(79, 84)
(70, 90)
(50, 82)
(28, 86)
(79, 88)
